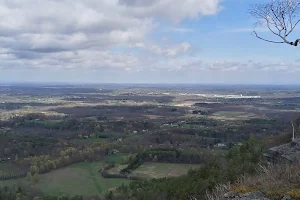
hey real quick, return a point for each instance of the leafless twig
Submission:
(280, 17)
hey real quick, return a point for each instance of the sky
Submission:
(140, 41)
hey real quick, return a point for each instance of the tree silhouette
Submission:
(280, 17)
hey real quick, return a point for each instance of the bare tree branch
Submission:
(293, 27)
(265, 39)
(280, 17)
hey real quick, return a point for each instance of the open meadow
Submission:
(80, 179)
(162, 170)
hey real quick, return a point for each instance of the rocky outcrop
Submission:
(289, 152)
(250, 196)
(287, 197)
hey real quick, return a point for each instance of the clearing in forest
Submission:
(160, 170)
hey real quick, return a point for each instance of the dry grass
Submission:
(233, 115)
(185, 104)
(274, 141)
(161, 170)
(274, 181)
(218, 192)
(153, 116)
(275, 176)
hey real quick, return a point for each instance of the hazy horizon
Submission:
(24, 83)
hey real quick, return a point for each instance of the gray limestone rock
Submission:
(287, 197)
(289, 153)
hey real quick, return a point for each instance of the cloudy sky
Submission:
(139, 41)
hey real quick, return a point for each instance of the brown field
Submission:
(160, 170)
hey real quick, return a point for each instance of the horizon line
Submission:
(144, 83)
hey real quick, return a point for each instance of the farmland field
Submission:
(78, 179)
(226, 115)
(160, 170)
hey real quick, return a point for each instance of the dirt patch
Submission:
(153, 116)
(224, 115)
(185, 104)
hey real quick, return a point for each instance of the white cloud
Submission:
(167, 51)
(81, 33)
(81, 59)
(175, 10)
(198, 65)
(180, 30)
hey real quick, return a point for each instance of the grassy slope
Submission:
(79, 179)
(84, 178)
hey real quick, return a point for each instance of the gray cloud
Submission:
(81, 34)
(165, 50)
(175, 10)
(198, 65)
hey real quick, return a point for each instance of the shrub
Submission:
(294, 194)
(275, 193)
(29, 177)
(36, 178)
(243, 189)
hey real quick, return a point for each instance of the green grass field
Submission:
(78, 179)
(85, 179)
(160, 170)
(118, 158)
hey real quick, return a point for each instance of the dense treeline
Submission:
(104, 172)
(43, 132)
(12, 176)
(126, 111)
(208, 132)
(12, 193)
(19, 193)
(46, 163)
(240, 160)
(64, 157)
(52, 122)
(16, 146)
(34, 120)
